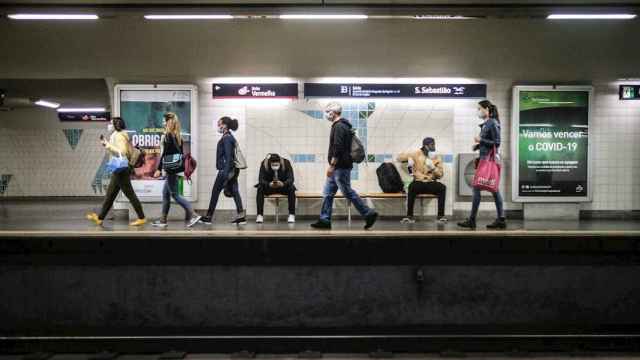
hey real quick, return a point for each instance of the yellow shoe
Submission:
(138, 222)
(94, 217)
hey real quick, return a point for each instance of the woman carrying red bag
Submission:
(488, 144)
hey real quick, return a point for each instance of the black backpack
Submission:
(389, 178)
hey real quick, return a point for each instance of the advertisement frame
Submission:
(193, 89)
(515, 138)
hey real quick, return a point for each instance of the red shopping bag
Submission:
(487, 176)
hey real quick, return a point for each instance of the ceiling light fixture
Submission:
(322, 17)
(81, 110)
(53, 17)
(591, 16)
(188, 17)
(48, 104)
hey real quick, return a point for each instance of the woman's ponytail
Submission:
(231, 124)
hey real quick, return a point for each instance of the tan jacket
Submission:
(118, 143)
(420, 170)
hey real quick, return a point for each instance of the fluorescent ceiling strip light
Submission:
(81, 110)
(48, 104)
(53, 17)
(188, 17)
(322, 17)
(591, 16)
(442, 17)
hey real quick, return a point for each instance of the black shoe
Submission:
(370, 220)
(206, 220)
(239, 220)
(321, 224)
(499, 223)
(471, 224)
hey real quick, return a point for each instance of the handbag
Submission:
(173, 163)
(117, 164)
(487, 176)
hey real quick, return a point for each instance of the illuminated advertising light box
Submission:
(142, 107)
(629, 92)
(84, 116)
(427, 91)
(550, 144)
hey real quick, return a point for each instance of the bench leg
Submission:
(422, 209)
(348, 211)
(277, 210)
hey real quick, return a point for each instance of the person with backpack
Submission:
(276, 177)
(339, 171)
(119, 146)
(172, 161)
(426, 169)
(228, 170)
(488, 143)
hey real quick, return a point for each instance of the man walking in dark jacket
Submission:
(339, 171)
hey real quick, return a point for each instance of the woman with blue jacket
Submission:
(488, 140)
(227, 177)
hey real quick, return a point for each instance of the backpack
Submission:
(357, 149)
(389, 178)
(190, 165)
(238, 160)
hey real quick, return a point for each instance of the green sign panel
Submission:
(552, 130)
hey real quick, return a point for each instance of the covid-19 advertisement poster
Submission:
(550, 137)
(143, 107)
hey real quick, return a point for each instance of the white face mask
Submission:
(275, 167)
(110, 128)
(481, 115)
(328, 116)
(220, 130)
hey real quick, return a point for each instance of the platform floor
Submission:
(67, 219)
(71, 228)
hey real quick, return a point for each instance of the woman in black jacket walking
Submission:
(488, 141)
(172, 154)
(227, 177)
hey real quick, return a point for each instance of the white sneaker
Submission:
(443, 219)
(408, 220)
(291, 219)
(259, 219)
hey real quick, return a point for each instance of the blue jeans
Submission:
(341, 179)
(170, 190)
(476, 203)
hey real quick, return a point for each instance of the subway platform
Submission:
(70, 286)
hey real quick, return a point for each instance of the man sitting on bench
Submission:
(276, 177)
(426, 168)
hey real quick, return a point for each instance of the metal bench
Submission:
(373, 196)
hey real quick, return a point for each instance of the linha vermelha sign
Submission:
(255, 91)
(629, 92)
(436, 91)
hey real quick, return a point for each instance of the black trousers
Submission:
(423, 187)
(289, 191)
(120, 181)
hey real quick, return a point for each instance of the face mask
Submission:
(481, 115)
(110, 128)
(328, 116)
(275, 167)
(220, 130)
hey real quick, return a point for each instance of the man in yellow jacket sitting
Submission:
(426, 168)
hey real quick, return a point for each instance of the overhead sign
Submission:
(550, 137)
(629, 92)
(84, 116)
(255, 91)
(395, 90)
